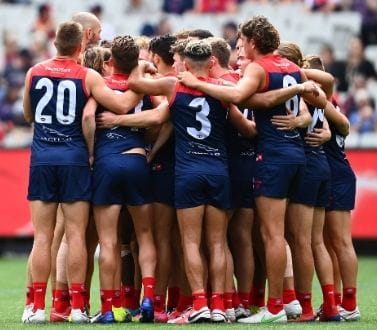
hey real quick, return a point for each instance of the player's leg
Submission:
(323, 266)
(337, 277)
(29, 299)
(43, 215)
(338, 228)
(76, 215)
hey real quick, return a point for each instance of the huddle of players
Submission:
(211, 162)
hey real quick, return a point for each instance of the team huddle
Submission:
(200, 182)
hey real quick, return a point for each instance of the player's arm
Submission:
(247, 86)
(318, 100)
(319, 136)
(89, 126)
(276, 97)
(119, 103)
(142, 119)
(244, 126)
(336, 117)
(290, 121)
(165, 132)
(325, 79)
(26, 101)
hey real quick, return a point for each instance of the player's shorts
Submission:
(59, 183)
(314, 186)
(163, 185)
(194, 189)
(342, 194)
(276, 180)
(122, 179)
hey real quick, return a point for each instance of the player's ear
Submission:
(186, 65)
(212, 61)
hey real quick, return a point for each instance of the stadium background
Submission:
(336, 29)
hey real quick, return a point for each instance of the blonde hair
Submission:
(313, 62)
(292, 52)
(94, 57)
(143, 42)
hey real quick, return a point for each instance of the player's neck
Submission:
(164, 69)
(217, 71)
(67, 57)
(258, 55)
(116, 71)
(200, 72)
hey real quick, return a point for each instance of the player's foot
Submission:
(160, 317)
(179, 318)
(346, 315)
(27, 312)
(174, 314)
(323, 317)
(199, 316)
(146, 311)
(39, 316)
(78, 316)
(264, 316)
(230, 314)
(121, 314)
(241, 312)
(59, 317)
(106, 318)
(304, 318)
(293, 309)
(255, 309)
(218, 316)
(134, 311)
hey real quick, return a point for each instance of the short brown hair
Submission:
(263, 33)
(313, 62)
(292, 52)
(143, 42)
(125, 53)
(179, 47)
(182, 35)
(220, 50)
(68, 38)
(94, 57)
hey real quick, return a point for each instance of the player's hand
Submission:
(310, 87)
(106, 119)
(318, 137)
(147, 67)
(285, 123)
(188, 79)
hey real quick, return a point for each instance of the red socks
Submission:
(148, 283)
(236, 300)
(39, 295)
(131, 297)
(305, 300)
(117, 299)
(257, 296)
(245, 299)
(217, 301)
(61, 300)
(184, 302)
(77, 293)
(349, 299)
(329, 307)
(274, 305)
(159, 303)
(228, 300)
(29, 295)
(288, 296)
(199, 300)
(338, 298)
(106, 300)
(173, 297)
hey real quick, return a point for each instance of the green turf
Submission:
(12, 278)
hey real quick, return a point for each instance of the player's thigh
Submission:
(76, 217)
(299, 219)
(215, 224)
(106, 218)
(43, 215)
(163, 220)
(142, 218)
(318, 225)
(190, 222)
(338, 225)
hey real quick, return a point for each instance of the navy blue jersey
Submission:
(119, 139)
(199, 125)
(336, 155)
(58, 97)
(318, 117)
(273, 145)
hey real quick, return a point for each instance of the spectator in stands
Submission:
(326, 6)
(108, 30)
(230, 33)
(364, 120)
(368, 11)
(142, 7)
(163, 26)
(177, 6)
(44, 22)
(216, 6)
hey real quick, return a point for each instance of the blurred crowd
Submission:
(356, 77)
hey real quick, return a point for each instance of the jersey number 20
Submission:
(64, 119)
(202, 118)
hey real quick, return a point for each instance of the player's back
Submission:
(119, 139)
(199, 123)
(275, 145)
(57, 97)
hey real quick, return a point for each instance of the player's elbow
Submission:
(88, 117)
(344, 128)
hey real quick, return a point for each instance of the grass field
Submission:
(12, 278)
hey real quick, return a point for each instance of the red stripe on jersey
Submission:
(61, 68)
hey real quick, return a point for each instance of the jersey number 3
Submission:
(202, 118)
(64, 119)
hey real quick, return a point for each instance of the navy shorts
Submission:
(194, 189)
(60, 183)
(314, 186)
(242, 193)
(342, 194)
(163, 185)
(276, 180)
(121, 179)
